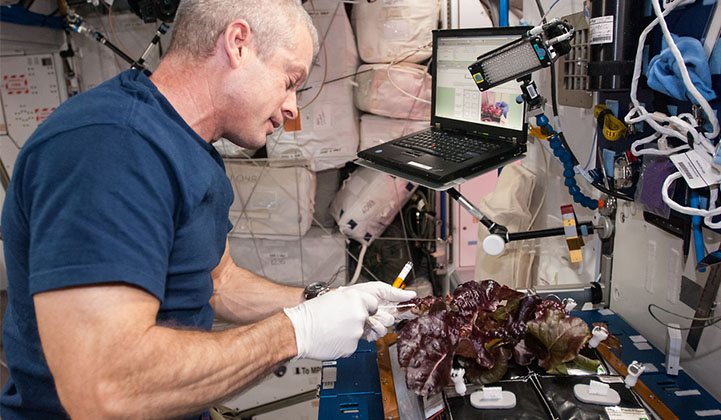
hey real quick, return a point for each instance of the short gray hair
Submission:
(199, 23)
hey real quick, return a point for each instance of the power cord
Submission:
(565, 149)
(713, 320)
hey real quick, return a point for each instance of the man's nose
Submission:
(289, 108)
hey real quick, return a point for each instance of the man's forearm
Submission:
(243, 297)
(168, 372)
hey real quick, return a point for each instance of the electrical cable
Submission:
(638, 113)
(391, 238)
(403, 223)
(12, 140)
(593, 148)
(359, 260)
(566, 158)
(611, 193)
(705, 143)
(554, 94)
(116, 39)
(540, 10)
(708, 215)
(690, 318)
(520, 244)
(543, 18)
(713, 320)
(299, 210)
(547, 164)
(554, 103)
(354, 74)
(94, 34)
(335, 275)
(325, 58)
(710, 114)
(554, 106)
(359, 265)
(266, 162)
(420, 88)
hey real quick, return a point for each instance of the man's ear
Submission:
(237, 39)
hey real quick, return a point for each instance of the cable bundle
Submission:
(682, 127)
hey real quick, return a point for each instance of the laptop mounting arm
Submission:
(495, 243)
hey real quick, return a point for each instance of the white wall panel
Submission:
(647, 268)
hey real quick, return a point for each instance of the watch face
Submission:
(314, 289)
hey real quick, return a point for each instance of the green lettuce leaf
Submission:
(562, 336)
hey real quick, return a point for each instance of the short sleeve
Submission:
(100, 202)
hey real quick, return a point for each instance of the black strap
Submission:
(605, 68)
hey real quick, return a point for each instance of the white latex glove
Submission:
(377, 325)
(329, 326)
(385, 293)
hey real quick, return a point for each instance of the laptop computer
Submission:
(471, 132)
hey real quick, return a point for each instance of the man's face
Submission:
(265, 97)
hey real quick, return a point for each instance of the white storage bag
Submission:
(326, 135)
(395, 30)
(317, 256)
(368, 202)
(397, 91)
(278, 201)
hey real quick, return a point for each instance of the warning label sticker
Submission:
(601, 29)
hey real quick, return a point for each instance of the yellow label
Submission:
(478, 77)
(576, 255)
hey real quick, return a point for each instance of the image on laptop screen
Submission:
(457, 96)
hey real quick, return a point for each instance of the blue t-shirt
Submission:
(113, 187)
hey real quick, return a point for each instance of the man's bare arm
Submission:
(243, 297)
(109, 359)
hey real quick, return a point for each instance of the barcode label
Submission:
(686, 172)
(601, 29)
(696, 171)
(603, 39)
(329, 375)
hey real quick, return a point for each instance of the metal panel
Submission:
(572, 68)
(641, 248)
(665, 387)
(295, 377)
(31, 90)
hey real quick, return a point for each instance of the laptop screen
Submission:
(456, 95)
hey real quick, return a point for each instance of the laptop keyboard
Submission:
(453, 148)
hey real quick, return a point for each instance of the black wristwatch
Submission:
(315, 289)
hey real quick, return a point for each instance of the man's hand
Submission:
(377, 325)
(329, 326)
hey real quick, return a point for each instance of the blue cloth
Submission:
(714, 62)
(664, 74)
(113, 187)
